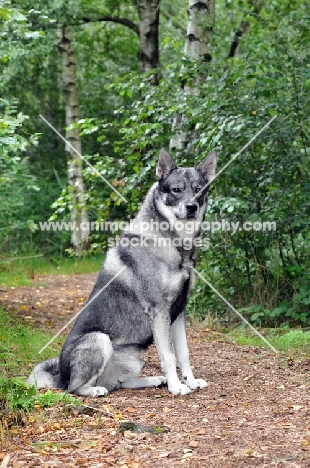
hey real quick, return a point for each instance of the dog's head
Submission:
(183, 190)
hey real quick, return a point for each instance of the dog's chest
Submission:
(177, 276)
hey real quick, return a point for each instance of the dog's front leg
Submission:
(182, 354)
(163, 341)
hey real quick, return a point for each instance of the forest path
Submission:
(255, 413)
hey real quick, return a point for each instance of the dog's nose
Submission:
(191, 208)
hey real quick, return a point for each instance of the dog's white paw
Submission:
(179, 389)
(98, 391)
(193, 384)
(159, 380)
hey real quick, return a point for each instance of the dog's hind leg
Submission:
(123, 369)
(88, 359)
(144, 382)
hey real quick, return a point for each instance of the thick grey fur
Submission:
(145, 303)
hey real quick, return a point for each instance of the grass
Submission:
(22, 272)
(288, 341)
(19, 346)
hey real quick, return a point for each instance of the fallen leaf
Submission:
(130, 409)
(166, 410)
(201, 431)
(193, 443)
(295, 407)
(164, 455)
(5, 461)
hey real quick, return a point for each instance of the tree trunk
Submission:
(78, 212)
(148, 55)
(197, 49)
(235, 45)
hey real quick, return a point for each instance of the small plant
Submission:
(15, 395)
(51, 398)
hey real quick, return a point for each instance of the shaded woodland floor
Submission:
(255, 412)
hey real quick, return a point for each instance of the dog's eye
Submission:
(197, 189)
(175, 190)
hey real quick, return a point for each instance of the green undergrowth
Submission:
(20, 345)
(284, 340)
(19, 352)
(16, 395)
(20, 272)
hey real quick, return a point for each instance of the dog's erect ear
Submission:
(207, 167)
(165, 164)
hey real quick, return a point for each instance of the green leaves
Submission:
(17, 395)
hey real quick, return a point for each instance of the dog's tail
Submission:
(45, 374)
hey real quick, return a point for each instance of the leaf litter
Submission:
(255, 412)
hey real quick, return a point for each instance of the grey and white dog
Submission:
(146, 302)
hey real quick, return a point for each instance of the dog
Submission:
(146, 302)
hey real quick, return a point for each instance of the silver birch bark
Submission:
(197, 48)
(148, 55)
(78, 212)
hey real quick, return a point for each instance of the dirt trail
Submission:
(255, 413)
(51, 301)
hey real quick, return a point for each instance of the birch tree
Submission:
(148, 54)
(197, 49)
(78, 211)
(147, 31)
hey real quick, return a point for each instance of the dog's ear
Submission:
(207, 167)
(165, 164)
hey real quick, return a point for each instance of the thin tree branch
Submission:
(115, 19)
